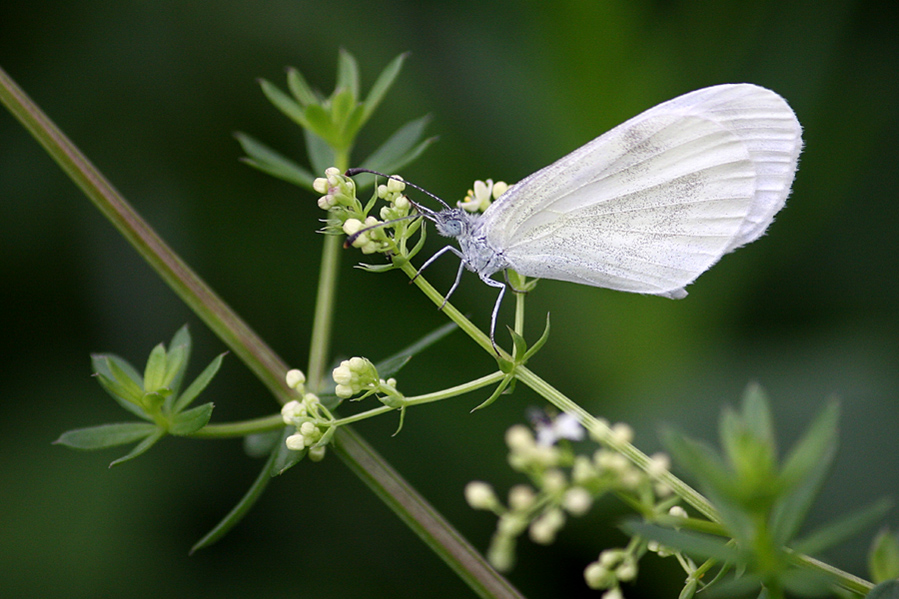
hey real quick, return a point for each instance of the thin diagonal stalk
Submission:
(354, 451)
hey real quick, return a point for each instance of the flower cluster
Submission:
(346, 214)
(311, 419)
(563, 484)
(482, 194)
(337, 190)
(358, 375)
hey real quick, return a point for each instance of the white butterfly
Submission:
(648, 206)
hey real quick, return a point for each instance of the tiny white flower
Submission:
(480, 495)
(577, 501)
(563, 426)
(479, 197)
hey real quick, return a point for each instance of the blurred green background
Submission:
(152, 93)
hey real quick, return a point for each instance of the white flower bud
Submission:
(543, 530)
(577, 501)
(519, 437)
(480, 495)
(499, 188)
(521, 498)
(554, 480)
(352, 226)
(295, 378)
(622, 432)
(320, 185)
(395, 184)
(317, 454)
(678, 511)
(597, 577)
(613, 594)
(659, 465)
(295, 442)
(332, 172)
(292, 409)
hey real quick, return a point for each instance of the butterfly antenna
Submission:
(352, 238)
(424, 210)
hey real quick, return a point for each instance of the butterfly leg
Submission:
(428, 262)
(495, 314)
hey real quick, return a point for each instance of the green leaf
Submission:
(100, 363)
(540, 342)
(383, 83)
(285, 458)
(154, 373)
(503, 384)
(321, 155)
(757, 414)
(352, 123)
(886, 590)
(318, 121)
(805, 468)
(301, 90)
(698, 545)
(200, 383)
(131, 390)
(175, 365)
(838, 531)
(284, 103)
(267, 160)
(397, 145)
(883, 558)
(192, 420)
(347, 74)
(141, 448)
(519, 345)
(105, 435)
(240, 510)
(342, 105)
(120, 394)
(390, 366)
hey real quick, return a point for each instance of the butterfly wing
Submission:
(656, 201)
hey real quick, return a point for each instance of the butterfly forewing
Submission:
(653, 203)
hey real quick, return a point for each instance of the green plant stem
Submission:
(325, 301)
(417, 400)
(421, 517)
(353, 450)
(604, 434)
(240, 429)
